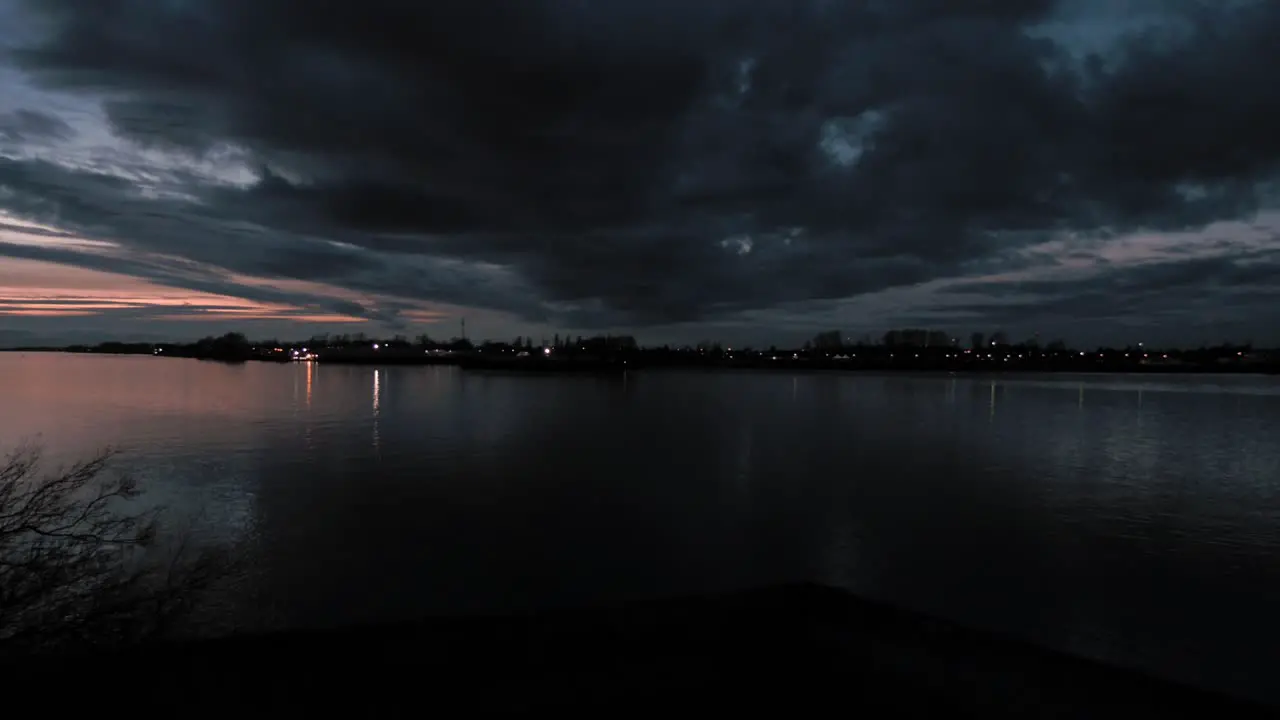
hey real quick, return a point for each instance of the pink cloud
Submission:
(33, 288)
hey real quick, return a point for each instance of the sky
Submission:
(749, 171)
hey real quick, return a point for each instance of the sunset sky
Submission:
(753, 172)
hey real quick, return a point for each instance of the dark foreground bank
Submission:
(802, 648)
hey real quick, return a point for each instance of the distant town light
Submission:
(546, 351)
(375, 346)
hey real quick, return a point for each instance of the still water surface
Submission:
(1130, 518)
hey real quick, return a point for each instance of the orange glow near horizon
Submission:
(46, 313)
(204, 314)
(67, 305)
(35, 288)
(424, 316)
(39, 288)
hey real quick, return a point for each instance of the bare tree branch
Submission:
(78, 562)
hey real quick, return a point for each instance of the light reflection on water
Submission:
(1132, 518)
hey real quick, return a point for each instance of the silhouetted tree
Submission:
(231, 346)
(830, 339)
(80, 566)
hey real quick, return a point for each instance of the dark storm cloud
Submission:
(1240, 271)
(39, 232)
(189, 276)
(1238, 292)
(28, 125)
(655, 161)
(197, 238)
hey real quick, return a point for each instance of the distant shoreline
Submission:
(645, 361)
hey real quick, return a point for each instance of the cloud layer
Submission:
(657, 162)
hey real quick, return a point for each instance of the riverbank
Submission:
(798, 648)
(568, 363)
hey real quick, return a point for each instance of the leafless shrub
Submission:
(80, 565)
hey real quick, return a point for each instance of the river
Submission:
(1134, 519)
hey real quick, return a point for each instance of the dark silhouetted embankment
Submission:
(793, 649)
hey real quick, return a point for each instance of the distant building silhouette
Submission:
(829, 340)
(913, 337)
(609, 343)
